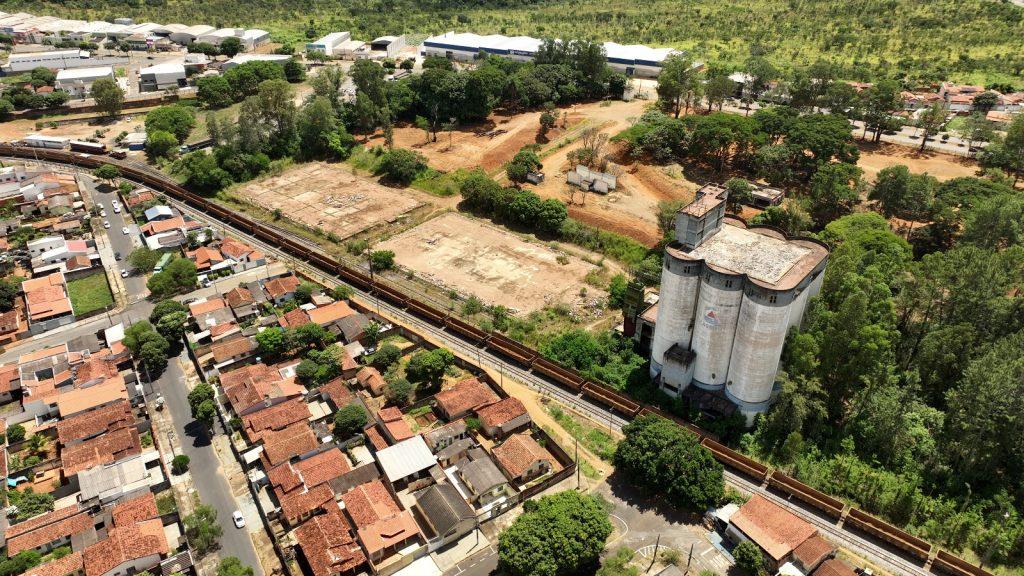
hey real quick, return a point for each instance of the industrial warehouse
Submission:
(729, 294)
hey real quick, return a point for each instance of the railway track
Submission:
(861, 533)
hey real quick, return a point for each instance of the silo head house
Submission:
(729, 294)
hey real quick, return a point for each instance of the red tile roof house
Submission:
(257, 386)
(463, 398)
(71, 564)
(274, 418)
(47, 531)
(294, 441)
(280, 290)
(381, 525)
(521, 458)
(245, 257)
(104, 449)
(394, 424)
(127, 549)
(503, 417)
(302, 488)
(777, 532)
(370, 379)
(327, 545)
(233, 351)
(241, 302)
(87, 425)
(135, 510)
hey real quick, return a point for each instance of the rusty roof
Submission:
(58, 526)
(109, 447)
(279, 287)
(124, 544)
(87, 424)
(776, 530)
(282, 445)
(135, 510)
(464, 396)
(276, 417)
(327, 543)
(501, 412)
(518, 453)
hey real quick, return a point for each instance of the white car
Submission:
(239, 520)
(103, 213)
(124, 230)
(124, 273)
(117, 209)
(106, 225)
(99, 205)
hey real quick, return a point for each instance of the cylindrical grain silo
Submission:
(718, 308)
(680, 284)
(760, 336)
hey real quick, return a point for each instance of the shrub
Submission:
(179, 465)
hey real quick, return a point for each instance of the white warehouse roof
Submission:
(637, 53)
(494, 43)
(165, 68)
(405, 458)
(84, 73)
(243, 58)
(73, 54)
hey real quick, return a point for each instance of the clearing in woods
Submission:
(492, 264)
(329, 197)
(875, 157)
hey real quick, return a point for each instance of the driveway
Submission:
(194, 442)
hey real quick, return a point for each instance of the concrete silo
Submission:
(718, 310)
(680, 285)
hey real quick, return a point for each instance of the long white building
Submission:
(79, 81)
(729, 294)
(631, 60)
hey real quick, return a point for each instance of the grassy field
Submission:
(976, 40)
(90, 294)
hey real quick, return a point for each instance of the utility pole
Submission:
(689, 558)
(654, 557)
(578, 483)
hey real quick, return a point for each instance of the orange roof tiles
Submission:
(125, 544)
(252, 384)
(135, 510)
(46, 533)
(153, 228)
(375, 437)
(326, 542)
(338, 391)
(299, 503)
(379, 520)
(776, 530)
(235, 249)
(464, 396)
(281, 445)
(144, 196)
(209, 305)
(9, 377)
(294, 318)
(81, 399)
(395, 424)
(518, 453)
(313, 471)
(221, 329)
(42, 520)
(276, 417)
(95, 368)
(227, 349)
(70, 564)
(813, 551)
(834, 567)
(501, 412)
(108, 418)
(239, 297)
(46, 297)
(205, 257)
(332, 312)
(368, 377)
(279, 287)
(104, 449)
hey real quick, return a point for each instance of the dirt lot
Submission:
(78, 130)
(490, 263)
(874, 158)
(330, 197)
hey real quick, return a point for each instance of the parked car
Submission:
(124, 273)
(117, 255)
(106, 225)
(124, 230)
(117, 209)
(103, 213)
(239, 520)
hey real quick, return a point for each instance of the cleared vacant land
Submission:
(943, 166)
(491, 263)
(329, 197)
(90, 294)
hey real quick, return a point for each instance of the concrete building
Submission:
(240, 59)
(249, 38)
(189, 34)
(162, 77)
(729, 294)
(79, 81)
(632, 60)
(328, 43)
(55, 60)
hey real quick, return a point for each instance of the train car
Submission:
(41, 141)
(119, 153)
(89, 147)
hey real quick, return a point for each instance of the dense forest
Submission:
(969, 40)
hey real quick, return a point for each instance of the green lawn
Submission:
(90, 294)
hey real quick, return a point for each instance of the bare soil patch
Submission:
(330, 197)
(491, 263)
(875, 157)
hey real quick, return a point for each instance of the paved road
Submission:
(194, 442)
(120, 243)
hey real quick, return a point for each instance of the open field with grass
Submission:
(967, 40)
(90, 294)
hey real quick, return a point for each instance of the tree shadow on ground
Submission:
(199, 434)
(622, 489)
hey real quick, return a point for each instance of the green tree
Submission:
(214, 92)
(902, 194)
(718, 88)
(740, 193)
(976, 128)
(524, 162)
(381, 260)
(749, 558)
(399, 392)
(428, 366)
(316, 124)
(659, 456)
(15, 433)
(881, 101)
(108, 173)
(402, 166)
(327, 84)
(790, 217)
(20, 563)
(548, 119)
(267, 120)
(176, 119)
(618, 564)
(348, 420)
(304, 293)
(678, 76)
(172, 326)
(165, 307)
(930, 120)
(386, 356)
(996, 223)
(8, 295)
(161, 144)
(563, 533)
(271, 343)
(178, 276)
(143, 259)
(202, 529)
(294, 71)
(179, 464)
(550, 216)
(108, 96)
(835, 191)
(230, 46)
(232, 566)
(985, 102)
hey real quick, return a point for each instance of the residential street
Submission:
(205, 467)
